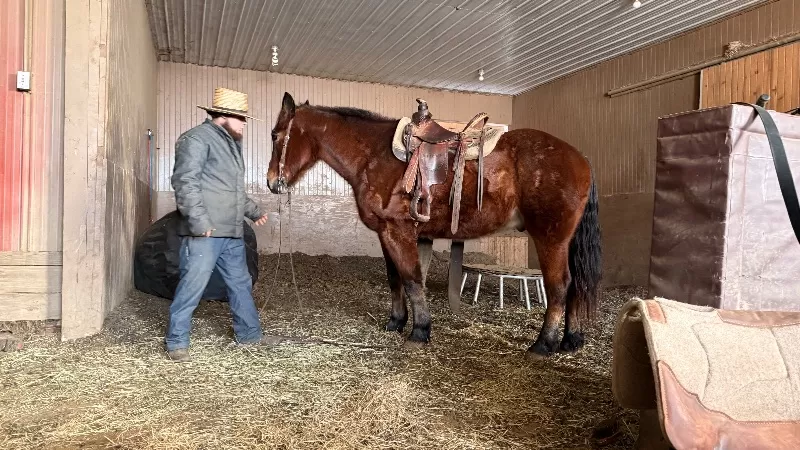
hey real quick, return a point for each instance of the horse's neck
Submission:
(350, 158)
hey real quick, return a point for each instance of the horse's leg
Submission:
(425, 249)
(401, 246)
(399, 315)
(573, 335)
(553, 259)
(585, 266)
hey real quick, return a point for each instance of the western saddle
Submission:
(428, 146)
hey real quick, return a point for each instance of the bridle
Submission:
(281, 184)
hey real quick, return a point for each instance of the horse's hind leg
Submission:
(553, 259)
(399, 315)
(573, 334)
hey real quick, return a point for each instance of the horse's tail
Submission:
(585, 259)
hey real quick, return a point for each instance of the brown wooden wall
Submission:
(322, 201)
(775, 72)
(618, 134)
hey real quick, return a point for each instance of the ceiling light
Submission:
(274, 55)
(480, 75)
(637, 4)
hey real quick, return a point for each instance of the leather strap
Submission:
(458, 180)
(410, 177)
(782, 170)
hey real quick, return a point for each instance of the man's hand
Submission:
(208, 233)
(261, 221)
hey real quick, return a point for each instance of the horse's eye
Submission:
(274, 136)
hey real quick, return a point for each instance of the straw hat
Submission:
(231, 102)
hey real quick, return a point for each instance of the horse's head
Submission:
(293, 149)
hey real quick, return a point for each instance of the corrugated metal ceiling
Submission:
(519, 44)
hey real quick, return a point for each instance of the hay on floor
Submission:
(472, 387)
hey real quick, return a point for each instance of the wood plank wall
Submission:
(775, 72)
(618, 134)
(132, 88)
(184, 86)
(12, 54)
(32, 131)
(31, 139)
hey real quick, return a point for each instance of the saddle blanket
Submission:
(717, 378)
(490, 141)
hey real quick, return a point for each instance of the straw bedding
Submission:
(472, 387)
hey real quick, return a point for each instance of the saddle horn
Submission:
(422, 112)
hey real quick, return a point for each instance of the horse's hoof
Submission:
(395, 325)
(420, 334)
(572, 342)
(538, 351)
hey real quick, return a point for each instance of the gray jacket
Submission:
(208, 180)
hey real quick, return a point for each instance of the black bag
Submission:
(156, 263)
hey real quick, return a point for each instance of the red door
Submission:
(12, 39)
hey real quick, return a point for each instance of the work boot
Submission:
(179, 355)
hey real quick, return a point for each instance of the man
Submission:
(208, 180)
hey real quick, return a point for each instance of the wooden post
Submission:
(83, 282)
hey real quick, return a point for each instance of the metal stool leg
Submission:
(527, 297)
(477, 289)
(463, 280)
(521, 293)
(544, 292)
(501, 292)
(538, 291)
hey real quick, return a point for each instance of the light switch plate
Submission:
(23, 81)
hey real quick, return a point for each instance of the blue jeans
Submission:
(198, 257)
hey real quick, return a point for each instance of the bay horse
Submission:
(534, 182)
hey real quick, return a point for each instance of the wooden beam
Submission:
(30, 280)
(30, 258)
(692, 70)
(30, 306)
(85, 167)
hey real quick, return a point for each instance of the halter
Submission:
(281, 184)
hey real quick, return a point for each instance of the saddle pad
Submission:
(718, 378)
(492, 136)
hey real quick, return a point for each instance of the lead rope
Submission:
(280, 228)
(278, 265)
(291, 260)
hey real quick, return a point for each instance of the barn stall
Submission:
(114, 84)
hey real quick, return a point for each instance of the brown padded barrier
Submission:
(721, 233)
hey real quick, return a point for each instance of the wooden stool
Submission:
(503, 272)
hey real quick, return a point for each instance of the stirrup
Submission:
(415, 205)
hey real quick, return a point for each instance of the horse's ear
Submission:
(288, 104)
(306, 103)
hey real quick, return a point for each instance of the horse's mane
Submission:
(356, 113)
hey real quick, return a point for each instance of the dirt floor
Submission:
(472, 388)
